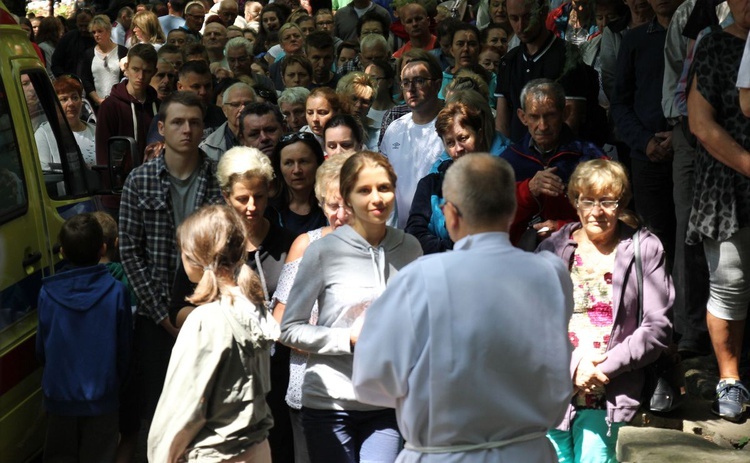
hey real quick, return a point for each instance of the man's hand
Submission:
(588, 377)
(659, 148)
(545, 182)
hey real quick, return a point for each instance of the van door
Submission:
(43, 181)
(25, 257)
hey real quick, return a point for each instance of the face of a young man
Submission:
(182, 129)
(418, 86)
(200, 84)
(415, 20)
(321, 60)
(526, 18)
(139, 74)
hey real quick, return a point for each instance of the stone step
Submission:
(652, 445)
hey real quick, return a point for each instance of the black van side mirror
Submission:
(122, 157)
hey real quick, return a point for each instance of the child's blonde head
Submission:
(109, 227)
(213, 239)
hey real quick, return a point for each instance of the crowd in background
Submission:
(625, 124)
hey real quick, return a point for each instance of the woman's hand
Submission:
(588, 378)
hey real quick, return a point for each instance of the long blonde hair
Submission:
(213, 238)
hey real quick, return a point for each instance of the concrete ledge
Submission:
(652, 445)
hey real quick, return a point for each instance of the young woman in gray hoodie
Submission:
(344, 272)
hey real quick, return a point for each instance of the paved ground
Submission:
(692, 433)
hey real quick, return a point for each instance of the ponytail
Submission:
(250, 285)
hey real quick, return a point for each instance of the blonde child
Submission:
(213, 405)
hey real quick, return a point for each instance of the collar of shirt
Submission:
(541, 52)
(544, 154)
(654, 26)
(482, 240)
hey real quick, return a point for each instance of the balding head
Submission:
(482, 191)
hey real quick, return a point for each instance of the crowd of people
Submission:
(297, 159)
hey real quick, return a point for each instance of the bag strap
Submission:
(638, 272)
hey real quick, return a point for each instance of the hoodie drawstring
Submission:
(135, 122)
(378, 266)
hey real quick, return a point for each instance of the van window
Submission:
(13, 200)
(62, 165)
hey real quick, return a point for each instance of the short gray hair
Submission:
(237, 86)
(538, 89)
(483, 187)
(242, 162)
(239, 42)
(370, 41)
(294, 95)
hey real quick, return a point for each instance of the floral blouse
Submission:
(592, 321)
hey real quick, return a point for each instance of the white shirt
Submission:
(471, 357)
(411, 149)
(106, 71)
(118, 34)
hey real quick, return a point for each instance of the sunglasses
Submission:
(297, 136)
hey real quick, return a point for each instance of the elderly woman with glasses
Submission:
(100, 69)
(611, 344)
(295, 160)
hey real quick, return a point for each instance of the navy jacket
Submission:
(636, 101)
(84, 341)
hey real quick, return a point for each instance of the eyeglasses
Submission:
(266, 94)
(239, 104)
(445, 202)
(196, 16)
(606, 204)
(419, 82)
(297, 136)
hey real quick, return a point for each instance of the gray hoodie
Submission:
(344, 274)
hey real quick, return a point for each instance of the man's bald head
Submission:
(483, 188)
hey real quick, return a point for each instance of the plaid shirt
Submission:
(148, 243)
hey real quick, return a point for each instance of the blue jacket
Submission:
(426, 220)
(84, 340)
(499, 144)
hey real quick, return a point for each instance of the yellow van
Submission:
(33, 205)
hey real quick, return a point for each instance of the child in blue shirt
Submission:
(84, 342)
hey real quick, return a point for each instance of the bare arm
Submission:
(714, 138)
(745, 101)
(295, 252)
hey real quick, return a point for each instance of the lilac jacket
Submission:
(631, 347)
